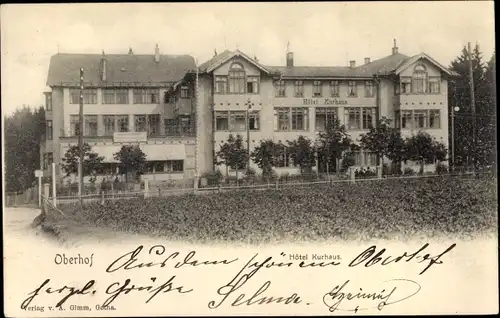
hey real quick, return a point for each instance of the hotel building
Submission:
(180, 114)
(128, 99)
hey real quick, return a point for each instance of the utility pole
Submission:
(80, 140)
(249, 105)
(473, 108)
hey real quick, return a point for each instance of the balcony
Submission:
(168, 131)
(184, 106)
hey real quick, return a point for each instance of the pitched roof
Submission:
(128, 69)
(382, 66)
(225, 56)
(417, 57)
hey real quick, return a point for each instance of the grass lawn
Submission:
(378, 209)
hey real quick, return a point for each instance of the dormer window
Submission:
(419, 79)
(184, 92)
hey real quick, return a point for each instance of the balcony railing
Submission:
(169, 131)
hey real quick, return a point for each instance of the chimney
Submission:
(130, 51)
(395, 48)
(367, 60)
(289, 59)
(103, 67)
(157, 53)
(352, 64)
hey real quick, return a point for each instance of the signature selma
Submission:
(369, 299)
(256, 298)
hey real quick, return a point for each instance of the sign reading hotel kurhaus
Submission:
(324, 101)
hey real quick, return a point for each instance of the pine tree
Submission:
(485, 102)
(24, 131)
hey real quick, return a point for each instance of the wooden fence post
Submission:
(220, 188)
(277, 184)
(46, 194)
(352, 175)
(146, 188)
(102, 197)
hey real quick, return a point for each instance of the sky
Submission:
(319, 34)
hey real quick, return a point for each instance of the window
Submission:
(122, 96)
(353, 119)
(419, 79)
(420, 118)
(325, 116)
(74, 96)
(253, 84)
(186, 124)
(74, 125)
(168, 166)
(90, 96)
(48, 159)
(370, 158)
(221, 84)
(222, 120)
(140, 123)
(357, 157)
(299, 118)
(397, 117)
(317, 88)
(396, 88)
(295, 118)
(154, 125)
(146, 96)
(434, 85)
(280, 88)
(253, 120)
(236, 79)
(90, 125)
(334, 88)
(48, 101)
(122, 123)
(170, 126)
(109, 125)
(109, 167)
(175, 165)
(155, 166)
(406, 119)
(49, 130)
(352, 89)
(299, 89)
(184, 92)
(369, 91)
(238, 120)
(405, 85)
(434, 119)
(368, 118)
(108, 96)
(282, 119)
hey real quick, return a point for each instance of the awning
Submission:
(107, 152)
(159, 152)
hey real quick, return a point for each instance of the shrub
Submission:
(409, 171)
(441, 168)
(250, 176)
(213, 178)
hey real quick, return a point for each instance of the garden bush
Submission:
(372, 209)
(409, 171)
